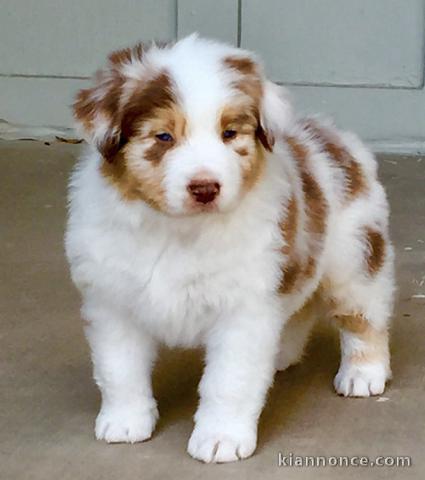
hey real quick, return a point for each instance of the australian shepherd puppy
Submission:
(205, 213)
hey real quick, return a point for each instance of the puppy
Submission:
(205, 213)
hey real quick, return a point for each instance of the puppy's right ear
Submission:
(97, 110)
(276, 114)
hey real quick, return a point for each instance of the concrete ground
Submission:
(48, 401)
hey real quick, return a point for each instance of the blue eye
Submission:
(164, 137)
(227, 134)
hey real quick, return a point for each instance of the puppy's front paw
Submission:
(361, 380)
(211, 445)
(125, 425)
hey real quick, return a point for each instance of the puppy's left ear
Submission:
(276, 114)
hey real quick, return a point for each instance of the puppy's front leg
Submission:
(239, 370)
(122, 359)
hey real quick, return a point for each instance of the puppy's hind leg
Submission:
(365, 359)
(362, 308)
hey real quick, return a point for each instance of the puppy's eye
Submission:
(164, 137)
(229, 134)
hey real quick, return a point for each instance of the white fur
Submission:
(211, 279)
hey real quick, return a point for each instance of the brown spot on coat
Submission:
(299, 151)
(250, 86)
(295, 272)
(354, 176)
(241, 116)
(289, 225)
(127, 124)
(170, 120)
(316, 204)
(101, 103)
(118, 175)
(249, 83)
(155, 153)
(248, 80)
(316, 209)
(243, 65)
(242, 151)
(153, 96)
(292, 272)
(252, 168)
(356, 182)
(126, 55)
(152, 107)
(134, 184)
(352, 323)
(376, 250)
(374, 347)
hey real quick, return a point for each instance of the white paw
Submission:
(215, 446)
(125, 425)
(354, 380)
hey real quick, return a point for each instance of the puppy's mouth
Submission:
(196, 207)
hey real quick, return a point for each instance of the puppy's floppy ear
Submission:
(276, 114)
(97, 110)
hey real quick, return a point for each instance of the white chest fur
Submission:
(174, 276)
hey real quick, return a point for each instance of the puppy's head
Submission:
(186, 127)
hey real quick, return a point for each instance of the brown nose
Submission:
(203, 191)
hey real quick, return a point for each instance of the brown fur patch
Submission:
(241, 117)
(316, 205)
(292, 272)
(249, 83)
(251, 86)
(290, 225)
(101, 103)
(134, 183)
(252, 168)
(243, 65)
(242, 151)
(299, 269)
(310, 267)
(375, 342)
(299, 151)
(376, 250)
(136, 171)
(88, 109)
(356, 182)
(126, 55)
(169, 120)
(366, 356)
(118, 175)
(352, 323)
(153, 97)
(155, 153)
(355, 178)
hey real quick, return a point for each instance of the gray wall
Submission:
(361, 61)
